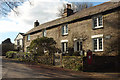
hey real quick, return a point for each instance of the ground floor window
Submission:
(64, 47)
(78, 46)
(98, 43)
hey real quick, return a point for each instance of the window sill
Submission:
(98, 50)
(98, 27)
(65, 34)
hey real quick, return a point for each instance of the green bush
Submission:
(11, 54)
(73, 62)
(77, 53)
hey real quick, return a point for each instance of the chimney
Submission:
(69, 6)
(68, 11)
(36, 23)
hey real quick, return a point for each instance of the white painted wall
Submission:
(19, 37)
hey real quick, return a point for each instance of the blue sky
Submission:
(11, 25)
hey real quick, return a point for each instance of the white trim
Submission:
(64, 40)
(98, 27)
(65, 34)
(95, 36)
(75, 39)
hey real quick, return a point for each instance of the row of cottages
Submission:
(95, 28)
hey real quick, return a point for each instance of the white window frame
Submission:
(95, 27)
(28, 37)
(65, 47)
(75, 45)
(44, 33)
(97, 37)
(64, 29)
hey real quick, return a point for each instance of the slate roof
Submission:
(86, 12)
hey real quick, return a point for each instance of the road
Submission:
(16, 69)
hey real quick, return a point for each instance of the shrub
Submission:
(11, 54)
(73, 62)
(77, 53)
(38, 46)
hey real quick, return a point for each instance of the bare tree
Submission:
(81, 6)
(8, 5)
(76, 6)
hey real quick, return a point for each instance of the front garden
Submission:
(41, 51)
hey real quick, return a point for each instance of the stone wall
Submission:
(48, 60)
(72, 62)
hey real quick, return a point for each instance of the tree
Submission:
(8, 5)
(40, 45)
(7, 46)
(76, 6)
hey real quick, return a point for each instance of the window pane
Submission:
(18, 42)
(95, 44)
(66, 46)
(100, 20)
(44, 33)
(62, 29)
(80, 45)
(62, 47)
(66, 28)
(100, 43)
(77, 46)
(95, 22)
(28, 37)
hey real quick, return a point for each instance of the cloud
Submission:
(39, 10)
(42, 10)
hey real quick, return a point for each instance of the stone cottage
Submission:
(96, 28)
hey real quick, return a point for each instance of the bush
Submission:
(73, 62)
(77, 53)
(11, 54)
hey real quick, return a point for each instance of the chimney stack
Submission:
(69, 6)
(36, 23)
(68, 11)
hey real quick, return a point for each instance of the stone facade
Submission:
(83, 28)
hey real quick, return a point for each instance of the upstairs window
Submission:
(97, 22)
(44, 33)
(28, 37)
(18, 42)
(65, 29)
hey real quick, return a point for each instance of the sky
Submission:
(40, 10)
